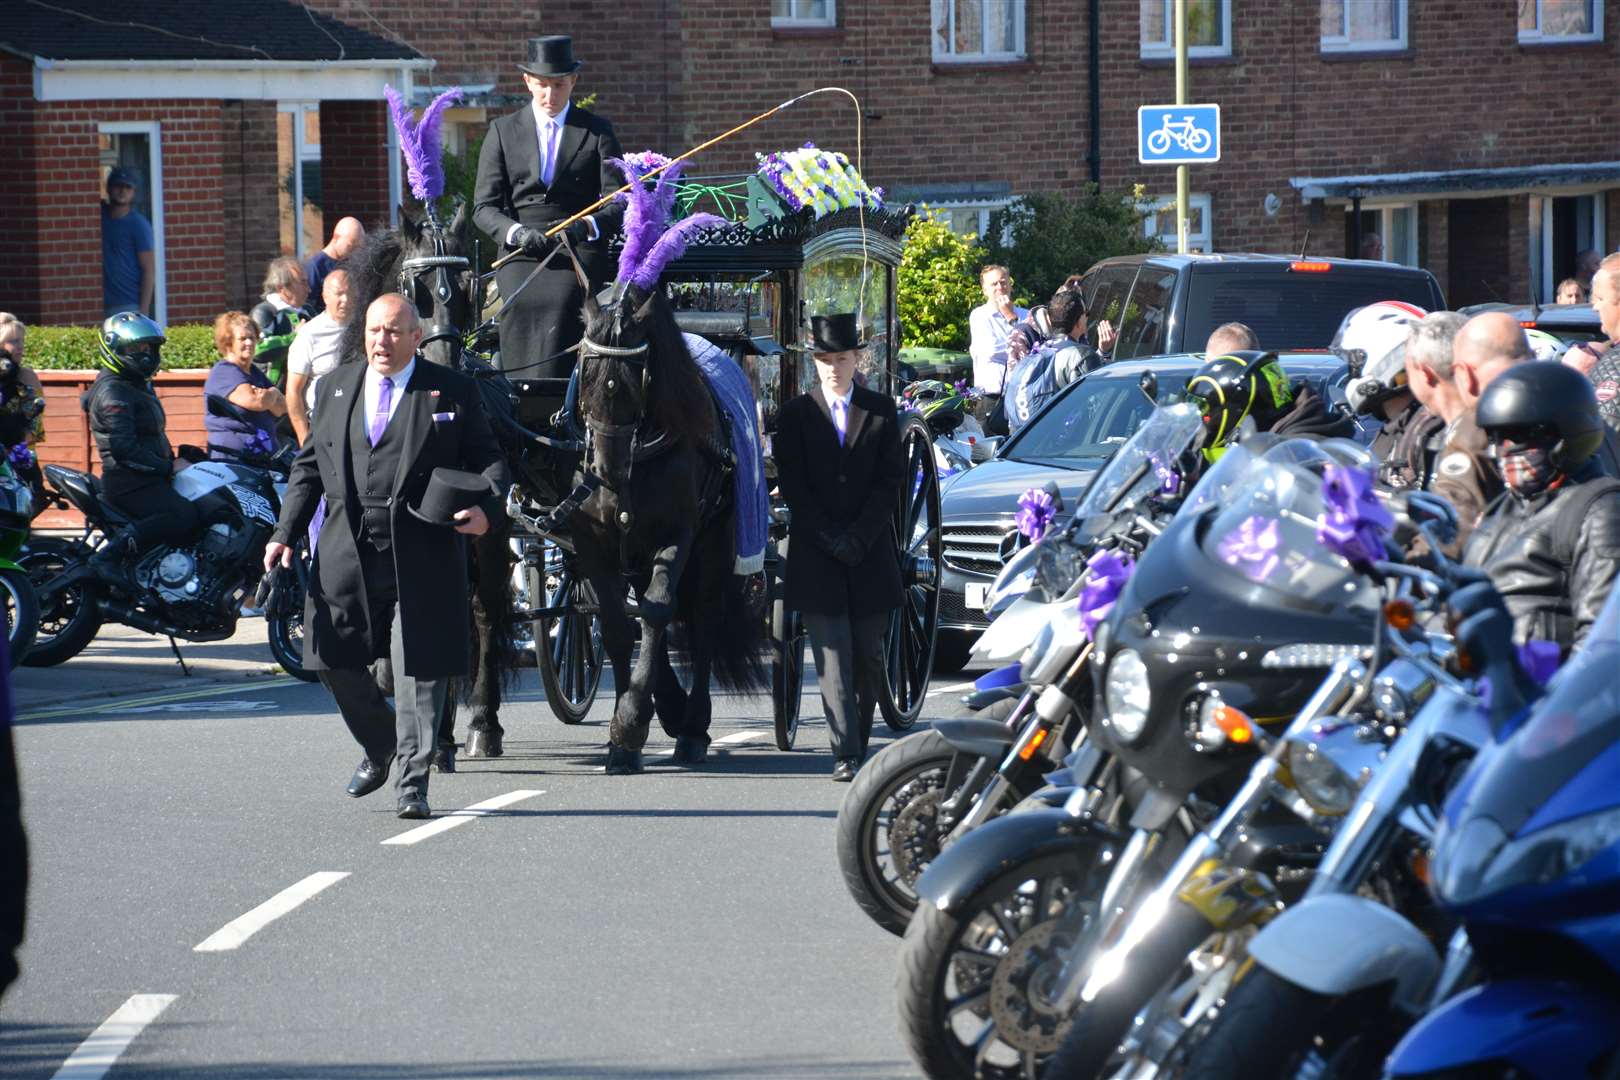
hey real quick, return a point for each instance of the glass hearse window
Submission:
(833, 284)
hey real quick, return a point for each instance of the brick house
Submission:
(1470, 136)
(216, 108)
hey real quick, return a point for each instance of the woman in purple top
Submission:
(237, 380)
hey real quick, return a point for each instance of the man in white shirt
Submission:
(314, 351)
(539, 167)
(989, 326)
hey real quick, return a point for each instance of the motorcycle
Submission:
(1001, 909)
(1526, 857)
(22, 606)
(191, 590)
(929, 789)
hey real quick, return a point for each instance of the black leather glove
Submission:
(530, 241)
(579, 232)
(842, 546)
(1484, 625)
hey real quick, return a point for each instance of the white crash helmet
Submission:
(1546, 346)
(1372, 340)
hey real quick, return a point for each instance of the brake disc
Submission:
(914, 834)
(1024, 986)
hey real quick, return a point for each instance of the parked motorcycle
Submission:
(22, 607)
(191, 590)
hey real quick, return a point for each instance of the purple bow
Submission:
(260, 442)
(1353, 522)
(1109, 570)
(1036, 512)
(1539, 660)
(20, 456)
(1252, 548)
(1169, 478)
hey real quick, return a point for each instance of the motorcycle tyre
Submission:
(86, 622)
(25, 616)
(1099, 1027)
(281, 647)
(896, 764)
(1266, 1023)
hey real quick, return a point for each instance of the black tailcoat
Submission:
(509, 191)
(830, 487)
(429, 560)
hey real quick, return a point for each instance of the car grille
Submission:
(953, 611)
(974, 549)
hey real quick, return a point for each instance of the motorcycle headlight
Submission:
(1479, 864)
(1017, 578)
(1127, 694)
(1319, 780)
(1054, 648)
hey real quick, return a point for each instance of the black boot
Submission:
(109, 564)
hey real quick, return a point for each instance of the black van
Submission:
(1166, 303)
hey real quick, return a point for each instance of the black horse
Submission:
(663, 520)
(427, 262)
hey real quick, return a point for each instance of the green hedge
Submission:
(73, 348)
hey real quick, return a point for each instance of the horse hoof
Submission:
(482, 742)
(622, 762)
(691, 750)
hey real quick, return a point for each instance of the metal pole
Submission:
(1181, 99)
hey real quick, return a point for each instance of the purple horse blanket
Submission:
(753, 500)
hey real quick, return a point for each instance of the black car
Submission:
(1570, 323)
(1066, 442)
(1164, 303)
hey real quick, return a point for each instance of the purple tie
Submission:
(840, 418)
(385, 399)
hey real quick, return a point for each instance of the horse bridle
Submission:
(439, 264)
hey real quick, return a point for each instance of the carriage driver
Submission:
(538, 167)
(839, 464)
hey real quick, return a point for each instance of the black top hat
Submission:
(835, 333)
(550, 57)
(449, 492)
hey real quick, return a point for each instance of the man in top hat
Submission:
(406, 459)
(839, 464)
(540, 166)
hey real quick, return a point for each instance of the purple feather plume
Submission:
(419, 140)
(650, 242)
(669, 248)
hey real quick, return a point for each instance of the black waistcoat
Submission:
(374, 470)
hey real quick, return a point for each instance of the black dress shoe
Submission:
(845, 770)
(368, 777)
(444, 758)
(414, 807)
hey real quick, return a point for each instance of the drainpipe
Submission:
(1355, 224)
(1094, 34)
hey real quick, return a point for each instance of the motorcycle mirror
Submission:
(223, 407)
(1149, 383)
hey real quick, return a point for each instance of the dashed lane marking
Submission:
(86, 708)
(107, 1043)
(234, 933)
(953, 688)
(461, 817)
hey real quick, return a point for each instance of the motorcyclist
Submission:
(1372, 340)
(1550, 543)
(1253, 385)
(137, 463)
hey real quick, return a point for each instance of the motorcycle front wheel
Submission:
(70, 620)
(22, 613)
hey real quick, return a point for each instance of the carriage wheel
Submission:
(909, 650)
(567, 648)
(787, 671)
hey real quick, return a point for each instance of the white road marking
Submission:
(953, 688)
(732, 739)
(461, 817)
(206, 705)
(234, 933)
(107, 1043)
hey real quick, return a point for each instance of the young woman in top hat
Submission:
(837, 451)
(540, 166)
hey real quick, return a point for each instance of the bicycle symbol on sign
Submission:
(1184, 133)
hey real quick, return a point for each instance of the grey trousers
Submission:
(849, 663)
(405, 733)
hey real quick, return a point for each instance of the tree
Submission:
(937, 283)
(1052, 235)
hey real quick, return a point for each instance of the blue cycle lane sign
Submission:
(1178, 134)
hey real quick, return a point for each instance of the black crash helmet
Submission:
(1544, 404)
(1228, 388)
(131, 345)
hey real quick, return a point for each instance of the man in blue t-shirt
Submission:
(128, 268)
(347, 236)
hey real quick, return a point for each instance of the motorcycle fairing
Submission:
(1547, 1029)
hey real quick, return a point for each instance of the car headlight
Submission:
(1054, 647)
(1127, 694)
(1017, 578)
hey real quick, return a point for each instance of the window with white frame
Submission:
(1554, 22)
(1356, 25)
(1209, 28)
(985, 31)
(1159, 222)
(967, 217)
(298, 169)
(1562, 229)
(803, 13)
(1388, 233)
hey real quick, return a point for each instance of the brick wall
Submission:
(19, 273)
(354, 162)
(251, 234)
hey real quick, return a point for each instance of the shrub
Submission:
(937, 283)
(73, 348)
(1052, 235)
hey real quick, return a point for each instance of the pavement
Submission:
(205, 902)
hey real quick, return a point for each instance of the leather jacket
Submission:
(1554, 585)
(129, 426)
(1406, 447)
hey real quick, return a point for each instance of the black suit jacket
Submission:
(854, 488)
(427, 558)
(509, 190)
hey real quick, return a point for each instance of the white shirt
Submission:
(988, 345)
(314, 351)
(550, 145)
(373, 388)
